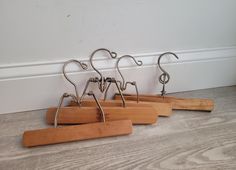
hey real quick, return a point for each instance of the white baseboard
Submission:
(30, 86)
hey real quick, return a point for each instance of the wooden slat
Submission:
(162, 108)
(184, 141)
(75, 115)
(76, 133)
(109, 103)
(177, 103)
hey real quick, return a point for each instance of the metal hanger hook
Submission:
(161, 79)
(112, 55)
(102, 81)
(83, 66)
(164, 77)
(137, 62)
(159, 59)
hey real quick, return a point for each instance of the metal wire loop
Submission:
(112, 55)
(164, 78)
(123, 84)
(66, 95)
(137, 62)
(83, 66)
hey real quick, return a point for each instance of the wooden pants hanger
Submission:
(162, 109)
(177, 103)
(89, 114)
(77, 115)
(76, 132)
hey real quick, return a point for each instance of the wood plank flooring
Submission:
(187, 140)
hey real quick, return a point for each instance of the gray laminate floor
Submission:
(186, 140)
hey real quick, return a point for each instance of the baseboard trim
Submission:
(48, 68)
(29, 86)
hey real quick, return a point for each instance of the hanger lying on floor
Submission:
(76, 132)
(162, 109)
(78, 114)
(177, 103)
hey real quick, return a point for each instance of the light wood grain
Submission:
(186, 140)
(64, 134)
(162, 109)
(177, 103)
(76, 115)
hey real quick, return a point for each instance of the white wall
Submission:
(36, 30)
(37, 36)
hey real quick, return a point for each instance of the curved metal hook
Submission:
(112, 54)
(102, 83)
(137, 62)
(159, 59)
(83, 65)
(164, 75)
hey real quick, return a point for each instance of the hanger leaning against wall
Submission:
(162, 109)
(106, 85)
(177, 103)
(142, 115)
(76, 132)
(85, 111)
(101, 80)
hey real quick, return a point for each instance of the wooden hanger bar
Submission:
(177, 103)
(162, 109)
(78, 115)
(76, 133)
